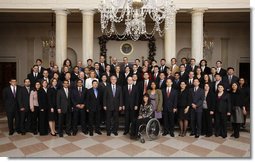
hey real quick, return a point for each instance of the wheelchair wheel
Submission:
(153, 129)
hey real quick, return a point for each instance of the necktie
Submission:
(168, 92)
(80, 91)
(160, 83)
(66, 92)
(95, 92)
(113, 90)
(145, 87)
(195, 89)
(28, 89)
(35, 75)
(229, 79)
(155, 76)
(14, 92)
(190, 82)
(129, 89)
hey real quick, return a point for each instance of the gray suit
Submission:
(196, 114)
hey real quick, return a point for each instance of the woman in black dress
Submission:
(208, 110)
(184, 101)
(43, 108)
(237, 109)
(222, 110)
(52, 99)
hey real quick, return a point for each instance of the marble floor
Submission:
(82, 145)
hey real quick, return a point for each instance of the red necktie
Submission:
(129, 90)
(168, 92)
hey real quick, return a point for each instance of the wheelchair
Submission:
(151, 129)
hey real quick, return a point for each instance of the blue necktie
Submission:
(114, 91)
(95, 92)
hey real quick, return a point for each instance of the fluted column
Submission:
(170, 40)
(87, 34)
(61, 36)
(197, 33)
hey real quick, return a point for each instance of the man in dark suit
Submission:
(198, 96)
(193, 66)
(80, 66)
(97, 71)
(75, 74)
(24, 108)
(70, 82)
(176, 81)
(183, 74)
(113, 65)
(218, 80)
(102, 64)
(125, 64)
(204, 68)
(78, 97)
(39, 64)
(130, 99)
(137, 72)
(45, 76)
(155, 76)
(169, 107)
(220, 70)
(139, 68)
(190, 79)
(11, 105)
(143, 86)
(34, 76)
(94, 106)
(112, 103)
(64, 108)
(161, 84)
(163, 67)
(230, 78)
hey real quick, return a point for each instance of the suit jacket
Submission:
(112, 69)
(52, 97)
(234, 79)
(78, 98)
(33, 79)
(176, 84)
(155, 79)
(164, 70)
(184, 98)
(94, 103)
(43, 100)
(223, 104)
(23, 98)
(197, 98)
(120, 79)
(190, 68)
(63, 102)
(101, 68)
(213, 85)
(169, 103)
(130, 100)
(99, 74)
(163, 84)
(10, 102)
(74, 77)
(113, 103)
(207, 70)
(210, 100)
(222, 72)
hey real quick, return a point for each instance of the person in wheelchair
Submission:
(145, 114)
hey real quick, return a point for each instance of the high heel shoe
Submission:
(53, 134)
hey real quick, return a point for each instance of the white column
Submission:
(61, 37)
(87, 35)
(170, 41)
(197, 34)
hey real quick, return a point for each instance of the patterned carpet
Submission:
(121, 146)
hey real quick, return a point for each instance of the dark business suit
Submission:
(130, 100)
(43, 114)
(163, 69)
(142, 90)
(25, 116)
(161, 84)
(102, 87)
(79, 97)
(207, 128)
(184, 76)
(34, 79)
(11, 108)
(169, 103)
(94, 105)
(112, 68)
(229, 82)
(222, 107)
(64, 103)
(176, 84)
(206, 70)
(112, 104)
(120, 79)
(222, 72)
(52, 99)
(197, 98)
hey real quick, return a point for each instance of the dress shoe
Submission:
(19, 132)
(232, 135)
(125, 133)
(108, 134)
(208, 135)
(52, 134)
(11, 133)
(74, 133)
(85, 132)
(192, 134)
(68, 133)
(115, 133)
(23, 133)
(35, 133)
(91, 133)
(171, 134)
(98, 132)
(61, 135)
(196, 136)
(165, 133)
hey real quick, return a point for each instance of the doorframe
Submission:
(242, 60)
(12, 59)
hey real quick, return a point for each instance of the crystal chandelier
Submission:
(48, 44)
(132, 13)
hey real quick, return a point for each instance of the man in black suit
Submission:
(125, 64)
(11, 105)
(161, 84)
(98, 71)
(163, 67)
(112, 103)
(204, 68)
(155, 76)
(45, 76)
(137, 72)
(183, 74)
(130, 99)
(94, 105)
(196, 106)
(71, 83)
(39, 64)
(78, 97)
(64, 108)
(169, 107)
(139, 68)
(184, 62)
(218, 80)
(75, 74)
(34, 76)
(176, 81)
(193, 66)
(113, 65)
(220, 70)
(230, 78)
(24, 108)
(102, 64)
(143, 86)
(190, 79)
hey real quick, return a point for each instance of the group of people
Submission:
(188, 94)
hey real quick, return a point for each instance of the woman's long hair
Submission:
(149, 100)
